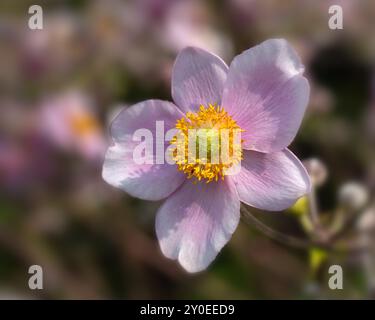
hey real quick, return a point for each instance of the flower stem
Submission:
(272, 233)
(313, 208)
(288, 240)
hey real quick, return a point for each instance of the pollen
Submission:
(83, 124)
(207, 144)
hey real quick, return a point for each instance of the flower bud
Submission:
(317, 171)
(353, 195)
(367, 220)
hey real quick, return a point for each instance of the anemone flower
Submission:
(71, 124)
(264, 94)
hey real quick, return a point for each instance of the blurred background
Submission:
(61, 86)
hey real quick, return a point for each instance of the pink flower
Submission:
(263, 93)
(69, 121)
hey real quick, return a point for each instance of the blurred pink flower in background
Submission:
(140, 35)
(24, 163)
(14, 165)
(264, 93)
(189, 23)
(127, 33)
(57, 49)
(70, 122)
(24, 152)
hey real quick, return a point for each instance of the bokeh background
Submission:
(61, 86)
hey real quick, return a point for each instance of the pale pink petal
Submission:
(144, 115)
(148, 182)
(198, 78)
(272, 181)
(267, 95)
(197, 221)
(145, 181)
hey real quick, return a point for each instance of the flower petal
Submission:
(143, 115)
(198, 78)
(272, 181)
(197, 221)
(267, 95)
(145, 181)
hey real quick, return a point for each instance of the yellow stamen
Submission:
(212, 131)
(83, 124)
